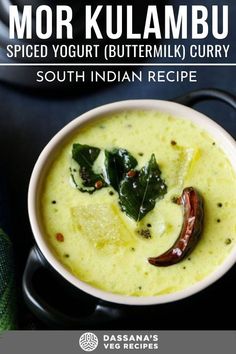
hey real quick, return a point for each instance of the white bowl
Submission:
(224, 140)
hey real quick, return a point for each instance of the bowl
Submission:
(223, 139)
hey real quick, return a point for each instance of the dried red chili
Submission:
(190, 233)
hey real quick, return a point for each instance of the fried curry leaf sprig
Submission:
(138, 190)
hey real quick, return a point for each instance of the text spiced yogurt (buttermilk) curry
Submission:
(140, 203)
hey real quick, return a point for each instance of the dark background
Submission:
(28, 120)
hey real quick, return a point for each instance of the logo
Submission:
(88, 342)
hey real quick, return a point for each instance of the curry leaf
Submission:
(117, 163)
(85, 156)
(138, 191)
(138, 194)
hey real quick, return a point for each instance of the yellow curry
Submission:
(102, 245)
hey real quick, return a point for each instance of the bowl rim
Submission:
(173, 108)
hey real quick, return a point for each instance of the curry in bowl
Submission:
(140, 203)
